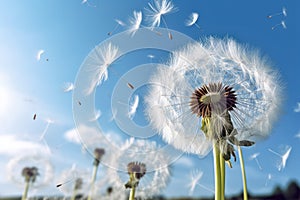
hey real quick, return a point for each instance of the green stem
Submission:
(222, 167)
(24, 196)
(217, 172)
(132, 193)
(93, 182)
(243, 173)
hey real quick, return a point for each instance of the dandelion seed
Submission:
(297, 135)
(97, 115)
(282, 23)
(133, 106)
(195, 177)
(283, 12)
(192, 20)
(100, 60)
(49, 121)
(135, 22)
(157, 12)
(39, 54)
(130, 86)
(254, 157)
(68, 87)
(283, 157)
(119, 23)
(79, 103)
(269, 177)
(150, 56)
(88, 3)
(34, 117)
(297, 109)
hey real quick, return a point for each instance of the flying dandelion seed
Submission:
(135, 22)
(195, 177)
(192, 20)
(48, 121)
(39, 54)
(34, 117)
(147, 168)
(283, 157)
(79, 103)
(254, 157)
(97, 115)
(297, 109)
(68, 87)
(133, 107)
(283, 12)
(269, 177)
(88, 3)
(282, 24)
(156, 12)
(297, 135)
(100, 59)
(119, 23)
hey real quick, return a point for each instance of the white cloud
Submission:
(10, 145)
(297, 109)
(185, 161)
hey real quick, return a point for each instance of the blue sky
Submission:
(68, 30)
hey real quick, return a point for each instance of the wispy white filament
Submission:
(133, 106)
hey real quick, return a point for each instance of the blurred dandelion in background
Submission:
(146, 167)
(283, 157)
(283, 12)
(229, 87)
(156, 12)
(192, 20)
(36, 169)
(74, 182)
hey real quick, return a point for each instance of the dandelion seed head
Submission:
(242, 83)
(142, 159)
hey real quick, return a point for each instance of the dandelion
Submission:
(254, 157)
(283, 12)
(282, 23)
(194, 180)
(283, 157)
(230, 90)
(76, 181)
(157, 12)
(119, 23)
(98, 153)
(38, 174)
(133, 106)
(99, 60)
(135, 22)
(192, 20)
(68, 87)
(39, 54)
(146, 166)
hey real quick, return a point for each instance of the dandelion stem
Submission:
(24, 197)
(93, 181)
(222, 167)
(132, 193)
(217, 172)
(243, 173)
